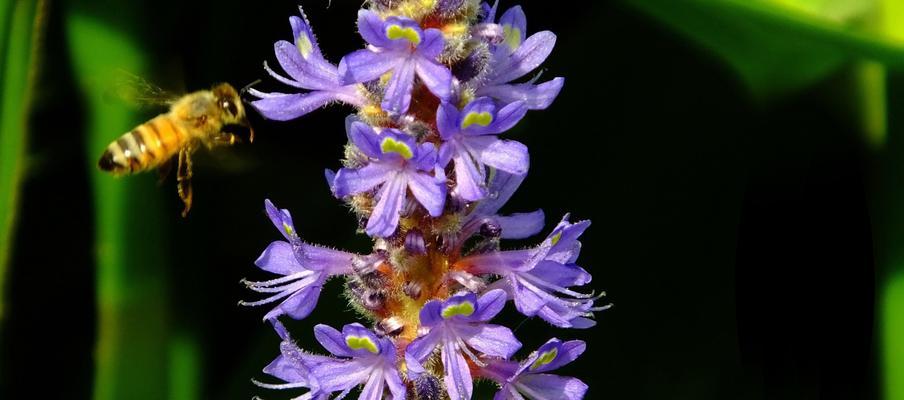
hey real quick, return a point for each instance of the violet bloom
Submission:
(471, 142)
(458, 325)
(529, 380)
(292, 366)
(514, 226)
(400, 46)
(538, 279)
(363, 358)
(395, 164)
(305, 267)
(516, 57)
(308, 70)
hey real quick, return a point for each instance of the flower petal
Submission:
(299, 305)
(432, 45)
(521, 225)
(514, 23)
(371, 27)
(395, 383)
(363, 137)
(489, 304)
(281, 219)
(447, 124)
(508, 117)
(313, 74)
(397, 96)
(535, 97)
(285, 107)
(501, 188)
(436, 77)
(332, 340)
(420, 349)
(385, 216)
(506, 155)
(554, 387)
(492, 340)
(527, 58)
(469, 178)
(366, 65)
(353, 181)
(564, 275)
(334, 375)
(430, 193)
(457, 374)
(279, 258)
(373, 389)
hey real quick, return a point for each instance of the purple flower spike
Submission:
(305, 267)
(528, 379)
(400, 46)
(538, 279)
(471, 143)
(516, 57)
(458, 325)
(396, 164)
(361, 358)
(307, 69)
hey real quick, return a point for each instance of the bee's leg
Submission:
(183, 179)
(226, 139)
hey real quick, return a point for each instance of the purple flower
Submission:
(395, 165)
(360, 358)
(514, 226)
(516, 57)
(308, 70)
(538, 279)
(458, 325)
(470, 141)
(292, 366)
(305, 267)
(529, 380)
(400, 46)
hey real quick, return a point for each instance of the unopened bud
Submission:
(414, 243)
(391, 326)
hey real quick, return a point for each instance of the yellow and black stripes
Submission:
(145, 147)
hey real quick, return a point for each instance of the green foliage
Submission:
(19, 24)
(779, 46)
(135, 346)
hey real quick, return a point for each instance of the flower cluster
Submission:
(426, 172)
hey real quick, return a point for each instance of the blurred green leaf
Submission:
(133, 353)
(781, 45)
(19, 24)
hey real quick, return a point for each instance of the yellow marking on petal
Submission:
(363, 342)
(545, 358)
(390, 145)
(512, 36)
(288, 228)
(555, 238)
(395, 32)
(481, 118)
(464, 309)
(305, 47)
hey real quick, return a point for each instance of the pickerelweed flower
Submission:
(529, 379)
(538, 279)
(398, 45)
(307, 70)
(471, 143)
(456, 326)
(395, 163)
(515, 57)
(426, 174)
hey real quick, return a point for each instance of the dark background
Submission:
(733, 237)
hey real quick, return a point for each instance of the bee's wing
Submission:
(135, 90)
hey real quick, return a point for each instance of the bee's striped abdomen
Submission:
(145, 147)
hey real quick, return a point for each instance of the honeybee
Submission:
(201, 118)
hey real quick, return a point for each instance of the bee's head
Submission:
(231, 107)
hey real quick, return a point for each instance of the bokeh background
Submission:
(742, 162)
